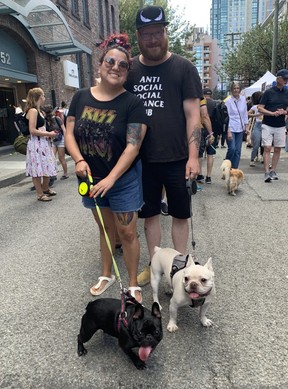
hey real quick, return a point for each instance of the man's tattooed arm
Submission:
(195, 137)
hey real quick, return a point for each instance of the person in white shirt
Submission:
(238, 123)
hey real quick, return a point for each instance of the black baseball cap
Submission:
(149, 16)
(207, 92)
(282, 73)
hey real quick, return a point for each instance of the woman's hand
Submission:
(82, 168)
(229, 134)
(52, 134)
(102, 187)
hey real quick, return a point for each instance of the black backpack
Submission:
(21, 123)
(218, 115)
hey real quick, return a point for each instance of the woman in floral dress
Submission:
(40, 160)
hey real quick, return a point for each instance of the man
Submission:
(207, 139)
(170, 88)
(274, 105)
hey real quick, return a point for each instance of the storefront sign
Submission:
(71, 78)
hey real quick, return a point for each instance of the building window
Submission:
(107, 13)
(100, 20)
(113, 19)
(85, 7)
(75, 9)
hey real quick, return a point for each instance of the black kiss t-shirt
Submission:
(101, 127)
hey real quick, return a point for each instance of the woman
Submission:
(54, 123)
(40, 161)
(105, 129)
(256, 135)
(238, 123)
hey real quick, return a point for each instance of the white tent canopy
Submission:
(261, 84)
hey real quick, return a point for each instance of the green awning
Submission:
(46, 24)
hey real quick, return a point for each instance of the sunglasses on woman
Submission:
(110, 61)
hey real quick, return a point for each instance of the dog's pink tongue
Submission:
(194, 295)
(144, 353)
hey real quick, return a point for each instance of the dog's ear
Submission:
(139, 312)
(189, 260)
(208, 264)
(156, 310)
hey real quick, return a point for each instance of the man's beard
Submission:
(152, 55)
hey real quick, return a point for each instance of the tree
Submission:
(252, 57)
(179, 29)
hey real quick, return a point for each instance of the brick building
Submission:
(51, 44)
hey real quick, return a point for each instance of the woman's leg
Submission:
(238, 147)
(231, 148)
(126, 227)
(256, 136)
(45, 185)
(61, 157)
(38, 186)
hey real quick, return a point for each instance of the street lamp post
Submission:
(275, 38)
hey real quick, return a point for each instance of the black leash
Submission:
(191, 187)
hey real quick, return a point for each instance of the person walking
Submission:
(54, 123)
(274, 106)
(40, 160)
(105, 128)
(170, 89)
(256, 131)
(208, 142)
(238, 124)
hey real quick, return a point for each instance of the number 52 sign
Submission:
(5, 58)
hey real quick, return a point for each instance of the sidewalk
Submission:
(12, 166)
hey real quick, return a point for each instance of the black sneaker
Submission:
(164, 208)
(208, 180)
(200, 178)
(267, 177)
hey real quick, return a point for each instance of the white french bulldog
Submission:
(192, 285)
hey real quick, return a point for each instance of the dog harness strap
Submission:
(179, 262)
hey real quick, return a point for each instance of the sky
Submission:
(197, 11)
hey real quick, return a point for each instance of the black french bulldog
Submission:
(141, 328)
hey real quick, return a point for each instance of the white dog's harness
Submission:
(179, 262)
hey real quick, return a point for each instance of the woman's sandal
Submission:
(50, 192)
(43, 197)
(133, 289)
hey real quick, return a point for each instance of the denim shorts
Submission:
(125, 196)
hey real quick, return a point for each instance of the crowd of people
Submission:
(140, 148)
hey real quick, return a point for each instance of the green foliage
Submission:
(249, 60)
(179, 29)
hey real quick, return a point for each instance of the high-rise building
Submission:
(206, 56)
(231, 18)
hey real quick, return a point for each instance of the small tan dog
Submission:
(233, 177)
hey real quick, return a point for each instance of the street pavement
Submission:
(50, 257)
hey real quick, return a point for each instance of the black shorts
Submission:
(171, 175)
(204, 146)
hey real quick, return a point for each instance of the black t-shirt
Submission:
(273, 99)
(101, 127)
(163, 88)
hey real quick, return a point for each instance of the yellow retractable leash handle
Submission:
(85, 186)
